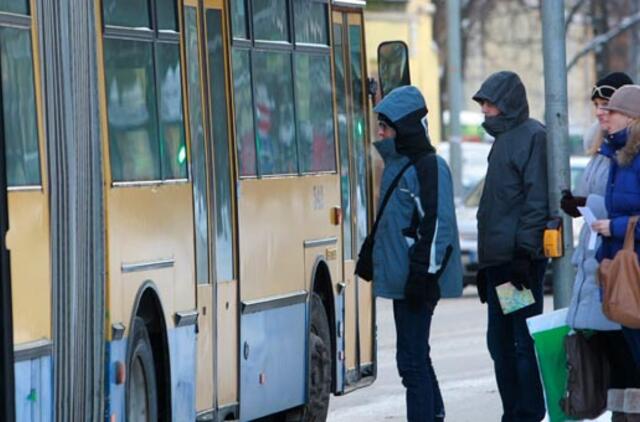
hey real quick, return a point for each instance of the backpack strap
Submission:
(386, 198)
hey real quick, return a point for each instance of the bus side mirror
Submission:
(393, 66)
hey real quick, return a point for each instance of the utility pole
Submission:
(556, 118)
(454, 66)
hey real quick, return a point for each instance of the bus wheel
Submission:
(142, 403)
(319, 367)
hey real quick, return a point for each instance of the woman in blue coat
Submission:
(622, 197)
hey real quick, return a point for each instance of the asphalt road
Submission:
(461, 360)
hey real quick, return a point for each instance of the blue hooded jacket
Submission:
(418, 231)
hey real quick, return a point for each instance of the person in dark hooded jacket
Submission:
(512, 215)
(416, 253)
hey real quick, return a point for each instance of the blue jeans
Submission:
(511, 349)
(424, 401)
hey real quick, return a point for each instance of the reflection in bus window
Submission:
(310, 22)
(314, 113)
(167, 15)
(198, 153)
(171, 126)
(131, 13)
(275, 131)
(242, 98)
(270, 20)
(219, 113)
(19, 108)
(358, 132)
(238, 19)
(131, 109)
(343, 136)
(15, 6)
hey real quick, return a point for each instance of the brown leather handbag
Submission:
(620, 280)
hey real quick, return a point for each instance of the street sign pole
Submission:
(454, 79)
(556, 118)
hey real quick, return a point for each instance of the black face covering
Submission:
(412, 139)
(506, 91)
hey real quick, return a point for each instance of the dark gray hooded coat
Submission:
(514, 206)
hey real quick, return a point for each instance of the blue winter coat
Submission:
(622, 197)
(417, 231)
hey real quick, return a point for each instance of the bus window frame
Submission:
(154, 36)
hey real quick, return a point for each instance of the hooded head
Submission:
(405, 111)
(506, 91)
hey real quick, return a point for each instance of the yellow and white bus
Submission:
(188, 187)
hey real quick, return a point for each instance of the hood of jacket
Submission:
(405, 109)
(506, 91)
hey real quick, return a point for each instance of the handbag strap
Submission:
(629, 237)
(386, 198)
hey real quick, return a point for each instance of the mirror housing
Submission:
(393, 66)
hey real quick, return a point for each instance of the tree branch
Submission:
(572, 13)
(601, 39)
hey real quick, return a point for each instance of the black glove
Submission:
(416, 290)
(520, 273)
(481, 284)
(570, 203)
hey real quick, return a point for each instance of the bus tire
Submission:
(319, 380)
(141, 391)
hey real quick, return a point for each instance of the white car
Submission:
(474, 162)
(468, 228)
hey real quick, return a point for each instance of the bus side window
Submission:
(242, 96)
(314, 113)
(144, 92)
(273, 104)
(19, 108)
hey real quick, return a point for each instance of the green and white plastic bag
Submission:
(548, 332)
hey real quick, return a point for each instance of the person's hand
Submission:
(415, 290)
(570, 204)
(520, 273)
(602, 227)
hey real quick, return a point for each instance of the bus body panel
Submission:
(34, 389)
(116, 352)
(182, 350)
(29, 243)
(204, 375)
(275, 217)
(227, 343)
(350, 315)
(147, 225)
(182, 356)
(273, 360)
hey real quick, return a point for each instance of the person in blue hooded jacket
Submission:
(416, 253)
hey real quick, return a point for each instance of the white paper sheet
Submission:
(589, 219)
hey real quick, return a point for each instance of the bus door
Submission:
(206, 51)
(353, 134)
(7, 409)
